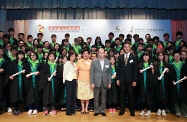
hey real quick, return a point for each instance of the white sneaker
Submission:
(163, 113)
(9, 110)
(30, 112)
(35, 112)
(142, 113)
(148, 113)
(158, 112)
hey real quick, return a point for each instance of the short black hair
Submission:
(21, 34)
(39, 46)
(107, 41)
(29, 36)
(10, 29)
(6, 36)
(156, 38)
(122, 35)
(135, 35)
(117, 39)
(53, 35)
(67, 34)
(128, 36)
(40, 34)
(86, 50)
(179, 33)
(111, 33)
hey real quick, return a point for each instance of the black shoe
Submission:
(103, 114)
(20, 112)
(15, 112)
(96, 114)
(121, 113)
(132, 114)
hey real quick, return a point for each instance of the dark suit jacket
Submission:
(127, 74)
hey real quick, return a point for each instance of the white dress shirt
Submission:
(102, 63)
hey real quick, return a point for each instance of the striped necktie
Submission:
(126, 59)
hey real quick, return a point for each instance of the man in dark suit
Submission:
(100, 77)
(127, 76)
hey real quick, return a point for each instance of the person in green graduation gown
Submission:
(13, 41)
(49, 87)
(161, 88)
(40, 37)
(13, 52)
(140, 50)
(171, 50)
(16, 83)
(29, 41)
(118, 45)
(184, 56)
(40, 52)
(107, 45)
(65, 44)
(179, 35)
(1, 37)
(20, 43)
(112, 96)
(53, 39)
(98, 42)
(136, 38)
(3, 64)
(76, 47)
(31, 84)
(21, 36)
(46, 47)
(57, 49)
(178, 91)
(89, 41)
(146, 84)
(166, 39)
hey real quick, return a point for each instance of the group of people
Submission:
(44, 75)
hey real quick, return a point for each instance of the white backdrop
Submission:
(93, 28)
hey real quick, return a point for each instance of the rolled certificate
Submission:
(52, 75)
(179, 81)
(33, 73)
(113, 75)
(146, 68)
(162, 74)
(18, 73)
(56, 59)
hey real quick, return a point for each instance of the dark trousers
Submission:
(71, 97)
(100, 108)
(130, 91)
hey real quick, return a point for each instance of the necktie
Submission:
(126, 59)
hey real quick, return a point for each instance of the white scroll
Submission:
(33, 73)
(56, 59)
(113, 75)
(162, 74)
(52, 75)
(179, 81)
(18, 73)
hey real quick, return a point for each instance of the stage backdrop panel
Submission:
(93, 28)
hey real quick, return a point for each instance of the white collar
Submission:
(127, 54)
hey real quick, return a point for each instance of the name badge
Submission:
(131, 61)
(106, 66)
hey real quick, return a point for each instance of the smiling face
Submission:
(126, 48)
(160, 57)
(146, 58)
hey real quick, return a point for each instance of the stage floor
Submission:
(61, 117)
